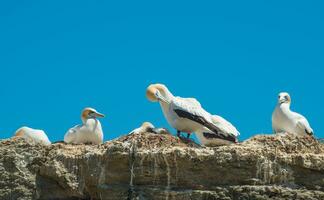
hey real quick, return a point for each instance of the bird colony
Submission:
(185, 115)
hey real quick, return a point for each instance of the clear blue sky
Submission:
(57, 57)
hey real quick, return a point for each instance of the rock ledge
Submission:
(152, 166)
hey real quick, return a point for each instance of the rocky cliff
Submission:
(161, 166)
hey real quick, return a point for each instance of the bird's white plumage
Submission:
(192, 101)
(90, 131)
(285, 120)
(224, 125)
(186, 114)
(148, 127)
(33, 135)
(145, 127)
(191, 106)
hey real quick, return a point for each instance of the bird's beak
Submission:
(98, 114)
(284, 100)
(160, 97)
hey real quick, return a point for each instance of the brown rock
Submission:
(156, 166)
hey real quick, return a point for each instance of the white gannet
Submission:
(89, 131)
(34, 135)
(285, 120)
(148, 127)
(145, 127)
(185, 114)
(208, 138)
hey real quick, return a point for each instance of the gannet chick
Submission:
(89, 131)
(161, 131)
(33, 135)
(285, 120)
(207, 138)
(185, 114)
(145, 127)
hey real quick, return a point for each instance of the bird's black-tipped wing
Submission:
(303, 125)
(223, 136)
(191, 109)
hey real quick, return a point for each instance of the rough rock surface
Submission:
(152, 166)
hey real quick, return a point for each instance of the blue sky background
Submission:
(57, 57)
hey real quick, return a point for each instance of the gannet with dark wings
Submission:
(186, 114)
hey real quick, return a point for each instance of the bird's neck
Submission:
(285, 107)
(166, 105)
(168, 95)
(165, 108)
(85, 120)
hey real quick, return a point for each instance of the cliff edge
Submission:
(161, 166)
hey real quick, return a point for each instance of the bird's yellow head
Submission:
(90, 113)
(147, 125)
(19, 133)
(157, 92)
(284, 97)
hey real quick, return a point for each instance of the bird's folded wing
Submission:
(223, 136)
(42, 135)
(74, 129)
(191, 109)
(225, 125)
(191, 101)
(303, 124)
(71, 134)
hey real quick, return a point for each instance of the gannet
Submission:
(145, 127)
(89, 131)
(148, 127)
(185, 114)
(33, 135)
(208, 138)
(285, 120)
